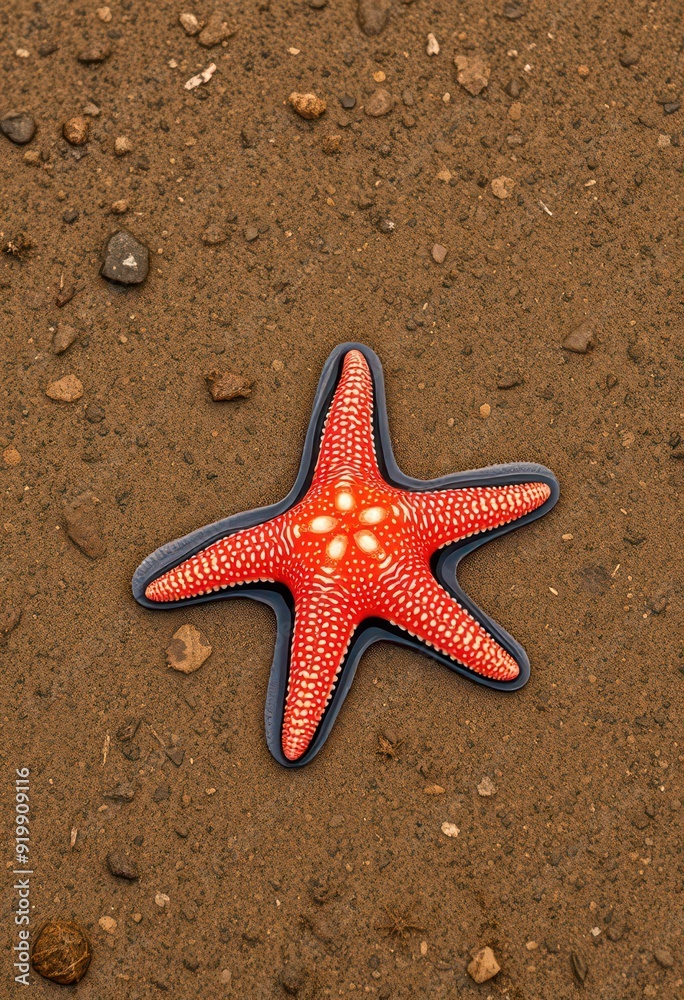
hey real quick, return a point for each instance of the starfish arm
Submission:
(323, 627)
(347, 446)
(415, 602)
(448, 515)
(245, 557)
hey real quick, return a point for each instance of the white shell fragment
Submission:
(203, 77)
(432, 48)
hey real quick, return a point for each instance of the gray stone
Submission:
(379, 103)
(373, 16)
(19, 128)
(126, 260)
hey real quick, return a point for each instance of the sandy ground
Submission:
(283, 883)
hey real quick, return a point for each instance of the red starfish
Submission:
(357, 547)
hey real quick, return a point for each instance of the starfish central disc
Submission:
(357, 547)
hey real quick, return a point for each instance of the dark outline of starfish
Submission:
(444, 564)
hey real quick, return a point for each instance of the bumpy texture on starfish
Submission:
(356, 547)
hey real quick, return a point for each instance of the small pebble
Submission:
(9, 619)
(108, 924)
(439, 253)
(434, 790)
(513, 88)
(203, 77)
(214, 235)
(19, 128)
(251, 234)
(63, 338)
(484, 966)
(432, 47)
(126, 260)
(91, 109)
(187, 650)
(583, 71)
(502, 187)
(373, 16)
(122, 145)
(70, 215)
(120, 207)
(630, 57)
(161, 899)
(513, 9)
(84, 526)
(61, 952)
(215, 31)
(515, 111)
(227, 386)
(190, 24)
(450, 830)
(347, 101)
(122, 866)
(104, 13)
(11, 456)
(96, 53)
(65, 390)
(307, 105)
(121, 792)
(486, 788)
(578, 966)
(580, 339)
(379, 103)
(664, 957)
(331, 144)
(47, 48)
(472, 73)
(485, 411)
(32, 156)
(386, 226)
(76, 130)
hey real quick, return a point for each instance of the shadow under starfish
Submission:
(356, 553)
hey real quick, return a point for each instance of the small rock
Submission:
(61, 952)
(439, 253)
(95, 53)
(484, 966)
(630, 57)
(33, 157)
(380, 103)
(671, 107)
(432, 47)
(472, 73)
(63, 338)
(121, 866)
(128, 729)
(658, 603)
(191, 961)
(122, 146)
(187, 650)
(162, 793)
(11, 456)
(108, 924)
(190, 24)
(583, 71)
(126, 260)
(664, 957)
(46, 49)
(434, 790)
(65, 390)
(83, 525)
(215, 31)
(580, 339)
(373, 16)
(509, 380)
(331, 144)
(251, 233)
(104, 13)
(318, 4)
(176, 755)
(515, 111)
(513, 10)
(227, 385)
(502, 187)
(9, 619)
(578, 966)
(307, 105)
(513, 88)
(76, 130)
(19, 128)
(120, 207)
(121, 792)
(347, 101)
(70, 215)
(196, 81)
(91, 109)
(485, 411)
(226, 977)
(214, 235)
(450, 830)
(161, 899)
(486, 788)
(386, 226)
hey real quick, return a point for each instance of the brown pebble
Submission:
(583, 71)
(214, 234)
(187, 650)
(83, 525)
(380, 103)
(307, 105)
(439, 253)
(95, 53)
(65, 390)
(9, 619)
(75, 130)
(502, 187)
(373, 16)
(121, 866)
(61, 952)
(227, 385)
(122, 146)
(120, 207)
(509, 380)
(472, 73)
(484, 966)
(215, 31)
(11, 456)
(190, 24)
(580, 339)
(331, 144)
(63, 338)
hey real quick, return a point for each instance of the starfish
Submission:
(356, 552)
